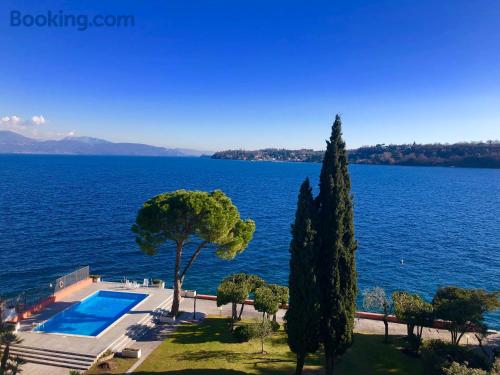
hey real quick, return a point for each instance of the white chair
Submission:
(145, 283)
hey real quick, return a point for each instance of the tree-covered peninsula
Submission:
(472, 155)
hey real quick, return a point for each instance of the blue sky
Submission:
(220, 74)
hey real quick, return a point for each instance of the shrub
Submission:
(275, 326)
(457, 369)
(462, 369)
(438, 355)
(243, 333)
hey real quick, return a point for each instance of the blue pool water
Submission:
(92, 315)
(60, 212)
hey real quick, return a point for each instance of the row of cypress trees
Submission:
(322, 279)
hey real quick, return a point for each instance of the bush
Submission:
(458, 369)
(275, 326)
(438, 354)
(243, 333)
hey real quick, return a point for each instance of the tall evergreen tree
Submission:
(302, 316)
(335, 247)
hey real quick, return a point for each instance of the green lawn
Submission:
(208, 348)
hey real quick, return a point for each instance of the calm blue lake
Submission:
(61, 212)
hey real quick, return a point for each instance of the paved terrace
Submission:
(91, 345)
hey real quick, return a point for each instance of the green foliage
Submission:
(193, 217)
(266, 301)
(248, 281)
(236, 288)
(335, 246)
(275, 326)
(462, 369)
(229, 291)
(281, 292)
(302, 316)
(243, 333)
(184, 215)
(438, 355)
(463, 308)
(261, 331)
(412, 309)
(416, 312)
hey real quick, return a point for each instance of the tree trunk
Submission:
(329, 362)
(461, 334)
(262, 334)
(234, 311)
(418, 342)
(241, 311)
(487, 354)
(234, 315)
(386, 326)
(177, 281)
(411, 329)
(300, 364)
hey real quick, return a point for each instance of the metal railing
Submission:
(33, 296)
(71, 278)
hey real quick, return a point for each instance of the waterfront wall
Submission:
(440, 324)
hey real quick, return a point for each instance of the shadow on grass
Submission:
(210, 330)
(369, 355)
(221, 371)
(229, 356)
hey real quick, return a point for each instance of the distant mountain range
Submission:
(472, 155)
(13, 143)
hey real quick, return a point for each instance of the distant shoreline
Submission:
(354, 163)
(459, 155)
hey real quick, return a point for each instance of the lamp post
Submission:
(194, 304)
(192, 294)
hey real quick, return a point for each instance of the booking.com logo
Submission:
(81, 22)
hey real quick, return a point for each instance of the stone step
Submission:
(35, 349)
(51, 361)
(30, 357)
(56, 358)
(144, 324)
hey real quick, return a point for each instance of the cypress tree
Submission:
(302, 316)
(335, 247)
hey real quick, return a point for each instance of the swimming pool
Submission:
(93, 315)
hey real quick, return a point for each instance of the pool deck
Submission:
(93, 346)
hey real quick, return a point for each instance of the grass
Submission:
(118, 366)
(209, 348)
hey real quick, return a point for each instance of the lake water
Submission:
(61, 212)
